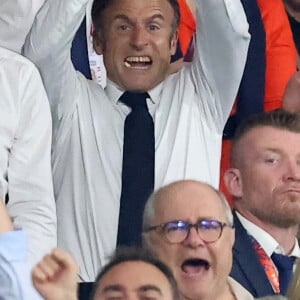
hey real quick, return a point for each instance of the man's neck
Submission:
(226, 294)
(285, 237)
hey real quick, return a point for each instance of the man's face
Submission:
(266, 180)
(137, 42)
(200, 268)
(134, 280)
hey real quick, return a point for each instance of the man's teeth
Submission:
(138, 59)
(127, 64)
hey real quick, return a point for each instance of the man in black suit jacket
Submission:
(265, 183)
(246, 267)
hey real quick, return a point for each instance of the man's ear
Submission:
(97, 44)
(174, 42)
(233, 182)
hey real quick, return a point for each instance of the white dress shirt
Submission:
(265, 240)
(16, 18)
(25, 141)
(15, 275)
(189, 110)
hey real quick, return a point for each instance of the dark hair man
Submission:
(131, 273)
(112, 147)
(265, 183)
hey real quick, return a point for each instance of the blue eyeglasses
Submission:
(177, 231)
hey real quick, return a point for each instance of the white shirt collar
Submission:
(114, 92)
(266, 241)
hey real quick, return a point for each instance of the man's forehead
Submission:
(188, 198)
(129, 273)
(267, 135)
(133, 6)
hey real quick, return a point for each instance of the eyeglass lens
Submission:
(208, 230)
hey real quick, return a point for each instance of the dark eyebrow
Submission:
(127, 19)
(156, 16)
(122, 17)
(113, 288)
(271, 149)
(150, 287)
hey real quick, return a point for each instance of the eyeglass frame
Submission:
(163, 226)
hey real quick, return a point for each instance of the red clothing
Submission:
(281, 58)
(281, 51)
(187, 26)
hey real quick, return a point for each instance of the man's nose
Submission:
(193, 239)
(139, 37)
(292, 171)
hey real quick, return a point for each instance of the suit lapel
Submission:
(247, 261)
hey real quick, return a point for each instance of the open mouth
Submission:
(138, 62)
(194, 266)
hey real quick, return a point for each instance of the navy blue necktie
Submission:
(284, 266)
(138, 168)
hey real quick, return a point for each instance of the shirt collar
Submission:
(266, 241)
(114, 92)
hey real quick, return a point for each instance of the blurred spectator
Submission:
(25, 141)
(130, 274)
(293, 10)
(15, 281)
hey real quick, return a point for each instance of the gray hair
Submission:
(149, 210)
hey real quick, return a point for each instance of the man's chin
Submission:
(192, 294)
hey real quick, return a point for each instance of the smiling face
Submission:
(200, 268)
(137, 42)
(266, 180)
(134, 280)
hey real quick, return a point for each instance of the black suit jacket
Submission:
(246, 268)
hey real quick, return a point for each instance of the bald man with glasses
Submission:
(189, 226)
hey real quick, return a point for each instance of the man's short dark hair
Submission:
(136, 254)
(100, 5)
(278, 119)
